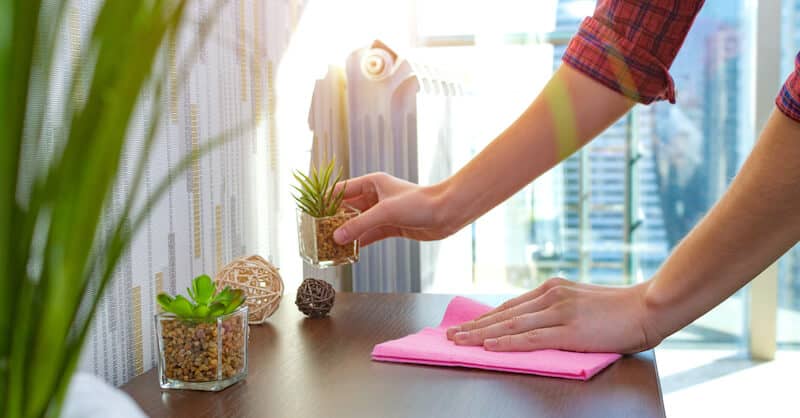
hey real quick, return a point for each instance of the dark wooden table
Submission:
(321, 368)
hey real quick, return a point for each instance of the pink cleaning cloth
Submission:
(431, 346)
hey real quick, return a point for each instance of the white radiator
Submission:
(385, 113)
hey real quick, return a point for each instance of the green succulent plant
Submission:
(318, 196)
(206, 304)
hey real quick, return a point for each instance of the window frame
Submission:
(765, 39)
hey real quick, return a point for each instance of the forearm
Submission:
(755, 222)
(571, 110)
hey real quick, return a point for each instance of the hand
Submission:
(561, 314)
(392, 208)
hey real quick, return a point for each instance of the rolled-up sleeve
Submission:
(629, 45)
(788, 100)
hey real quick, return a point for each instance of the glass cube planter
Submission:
(315, 236)
(202, 355)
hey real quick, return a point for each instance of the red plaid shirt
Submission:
(629, 45)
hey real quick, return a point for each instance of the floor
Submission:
(725, 383)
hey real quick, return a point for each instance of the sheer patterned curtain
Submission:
(224, 205)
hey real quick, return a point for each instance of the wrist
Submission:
(650, 314)
(444, 204)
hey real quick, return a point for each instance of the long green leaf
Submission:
(308, 199)
(306, 205)
(9, 149)
(48, 37)
(306, 182)
(128, 94)
(116, 91)
(17, 40)
(307, 190)
(333, 205)
(326, 177)
(339, 198)
(70, 197)
(315, 179)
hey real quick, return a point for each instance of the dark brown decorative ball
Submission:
(315, 298)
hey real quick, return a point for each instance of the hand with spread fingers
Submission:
(391, 207)
(561, 314)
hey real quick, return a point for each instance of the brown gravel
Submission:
(327, 248)
(190, 349)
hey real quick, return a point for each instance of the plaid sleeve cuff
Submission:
(788, 100)
(618, 63)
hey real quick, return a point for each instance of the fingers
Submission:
(363, 202)
(516, 325)
(372, 218)
(533, 294)
(531, 306)
(511, 303)
(537, 339)
(363, 185)
(377, 234)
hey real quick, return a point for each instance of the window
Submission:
(611, 213)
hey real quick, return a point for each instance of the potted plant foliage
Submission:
(61, 147)
(320, 211)
(202, 341)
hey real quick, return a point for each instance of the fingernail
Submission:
(490, 342)
(340, 236)
(461, 335)
(452, 331)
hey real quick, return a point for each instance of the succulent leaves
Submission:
(206, 303)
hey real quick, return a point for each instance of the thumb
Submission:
(371, 218)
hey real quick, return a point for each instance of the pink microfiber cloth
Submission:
(431, 346)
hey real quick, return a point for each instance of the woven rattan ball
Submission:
(315, 298)
(259, 280)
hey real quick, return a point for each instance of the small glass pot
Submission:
(202, 355)
(315, 236)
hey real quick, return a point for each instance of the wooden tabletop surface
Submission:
(302, 367)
